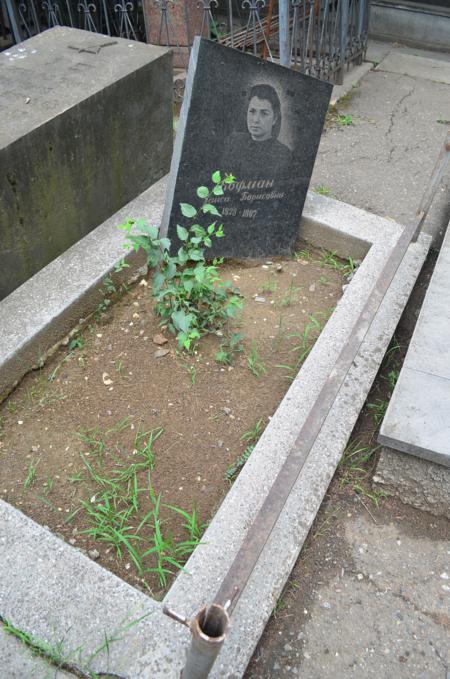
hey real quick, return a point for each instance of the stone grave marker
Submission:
(258, 121)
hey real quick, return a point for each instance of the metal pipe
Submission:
(285, 55)
(208, 629)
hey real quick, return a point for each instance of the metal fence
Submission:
(319, 37)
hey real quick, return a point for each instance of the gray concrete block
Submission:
(420, 483)
(76, 145)
(417, 420)
(426, 26)
(53, 592)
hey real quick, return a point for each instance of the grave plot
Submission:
(123, 444)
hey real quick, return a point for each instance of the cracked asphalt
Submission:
(382, 161)
(369, 596)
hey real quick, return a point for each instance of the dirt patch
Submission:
(117, 421)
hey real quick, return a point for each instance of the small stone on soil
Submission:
(93, 553)
(161, 352)
(160, 339)
(260, 299)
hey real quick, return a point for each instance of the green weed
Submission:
(234, 469)
(303, 254)
(76, 343)
(323, 191)
(355, 465)
(290, 296)
(269, 286)
(254, 363)
(343, 120)
(11, 407)
(229, 348)
(253, 434)
(378, 409)
(74, 661)
(392, 377)
(31, 474)
(48, 485)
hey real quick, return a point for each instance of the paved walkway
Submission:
(370, 594)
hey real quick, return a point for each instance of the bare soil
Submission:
(95, 402)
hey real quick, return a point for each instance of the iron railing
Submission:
(319, 37)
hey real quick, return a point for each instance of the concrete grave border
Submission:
(50, 589)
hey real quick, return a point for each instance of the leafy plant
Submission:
(344, 120)
(76, 343)
(255, 365)
(229, 347)
(190, 297)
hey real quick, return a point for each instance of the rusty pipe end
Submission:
(210, 624)
(208, 629)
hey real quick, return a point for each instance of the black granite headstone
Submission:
(258, 121)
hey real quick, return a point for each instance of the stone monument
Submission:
(258, 121)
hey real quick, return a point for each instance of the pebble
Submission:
(93, 553)
(226, 410)
(312, 287)
(160, 339)
(72, 541)
(279, 268)
(161, 352)
(260, 299)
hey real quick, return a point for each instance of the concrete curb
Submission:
(47, 583)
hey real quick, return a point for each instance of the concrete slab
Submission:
(429, 350)
(18, 662)
(416, 482)
(417, 419)
(53, 592)
(414, 66)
